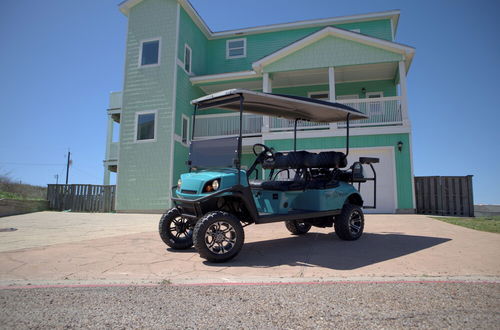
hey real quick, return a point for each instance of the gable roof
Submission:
(407, 51)
(393, 15)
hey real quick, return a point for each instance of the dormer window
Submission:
(236, 48)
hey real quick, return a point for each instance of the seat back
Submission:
(304, 159)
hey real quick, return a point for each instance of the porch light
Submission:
(400, 145)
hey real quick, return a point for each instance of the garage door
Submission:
(386, 195)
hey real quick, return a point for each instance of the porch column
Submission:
(109, 140)
(267, 87)
(403, 91)
(331, 84)
(331, 90)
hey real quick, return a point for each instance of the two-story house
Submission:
(173, 57)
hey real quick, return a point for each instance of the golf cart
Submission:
(216, 199)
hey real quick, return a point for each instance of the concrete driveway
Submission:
(53, 247)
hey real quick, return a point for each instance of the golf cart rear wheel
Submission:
(297, 227)
(218, 236)
(350, 223)
(175, 230)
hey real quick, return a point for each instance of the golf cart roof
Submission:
(278, 105)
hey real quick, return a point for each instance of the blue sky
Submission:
(59, 60)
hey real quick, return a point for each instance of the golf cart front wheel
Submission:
(350, 223)
(175, 230)
(218, 236)
(297, 227)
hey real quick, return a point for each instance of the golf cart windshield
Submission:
(221, 152)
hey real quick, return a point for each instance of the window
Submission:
(185, 130)
(150, 52)
(319, 96)
(348, 97)
(145, 126)
(236, 48)
(187, 58)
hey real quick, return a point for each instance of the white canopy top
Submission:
(277, 105)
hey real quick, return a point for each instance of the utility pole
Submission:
(67, 166)
(57, 178)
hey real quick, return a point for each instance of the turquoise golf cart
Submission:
(217, 198)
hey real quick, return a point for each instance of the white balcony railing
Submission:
(385, 111)
(382, 111)
(227, 124)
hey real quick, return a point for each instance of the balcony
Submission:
(115, 100)
(384, 111)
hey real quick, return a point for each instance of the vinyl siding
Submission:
(143, 180)
(332, 51)
(261, 45)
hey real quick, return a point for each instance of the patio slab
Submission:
(51, 247)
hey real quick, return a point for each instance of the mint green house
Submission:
(173, 57)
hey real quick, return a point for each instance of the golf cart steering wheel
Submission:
(269, 152)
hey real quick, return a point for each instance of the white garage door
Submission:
(386, 173)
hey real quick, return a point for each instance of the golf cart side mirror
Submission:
(368, 160)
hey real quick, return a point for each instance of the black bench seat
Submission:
(305, 159)
(290, 185)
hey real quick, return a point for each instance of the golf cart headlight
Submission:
(211, 186)
(215, 184)
(179, 182)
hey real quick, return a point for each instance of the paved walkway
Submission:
(52, 247)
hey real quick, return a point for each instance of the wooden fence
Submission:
(81, 197)
(444, 195)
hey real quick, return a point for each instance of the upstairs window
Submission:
(185, 130)
(187, 58)
(319, 96)
(150, 52)
(236, 48)
(145, 125)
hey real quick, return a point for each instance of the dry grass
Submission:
(12, 190)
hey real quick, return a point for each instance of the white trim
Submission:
(155, 132)
(174, 101)
(224, 76)
(407, 51)
(186, 46)
(140, 52)
(183, 116)
(229, 57)
(392, 31)
(410, 150)
(356, 30)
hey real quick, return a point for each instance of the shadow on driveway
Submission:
(327, 250)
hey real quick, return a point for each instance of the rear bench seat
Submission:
(305, 159)
(300, 160)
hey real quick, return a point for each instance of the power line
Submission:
(30, 164)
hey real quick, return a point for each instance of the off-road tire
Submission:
(208, 240)
(297, 227)
(175, 231)
(350, 223)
